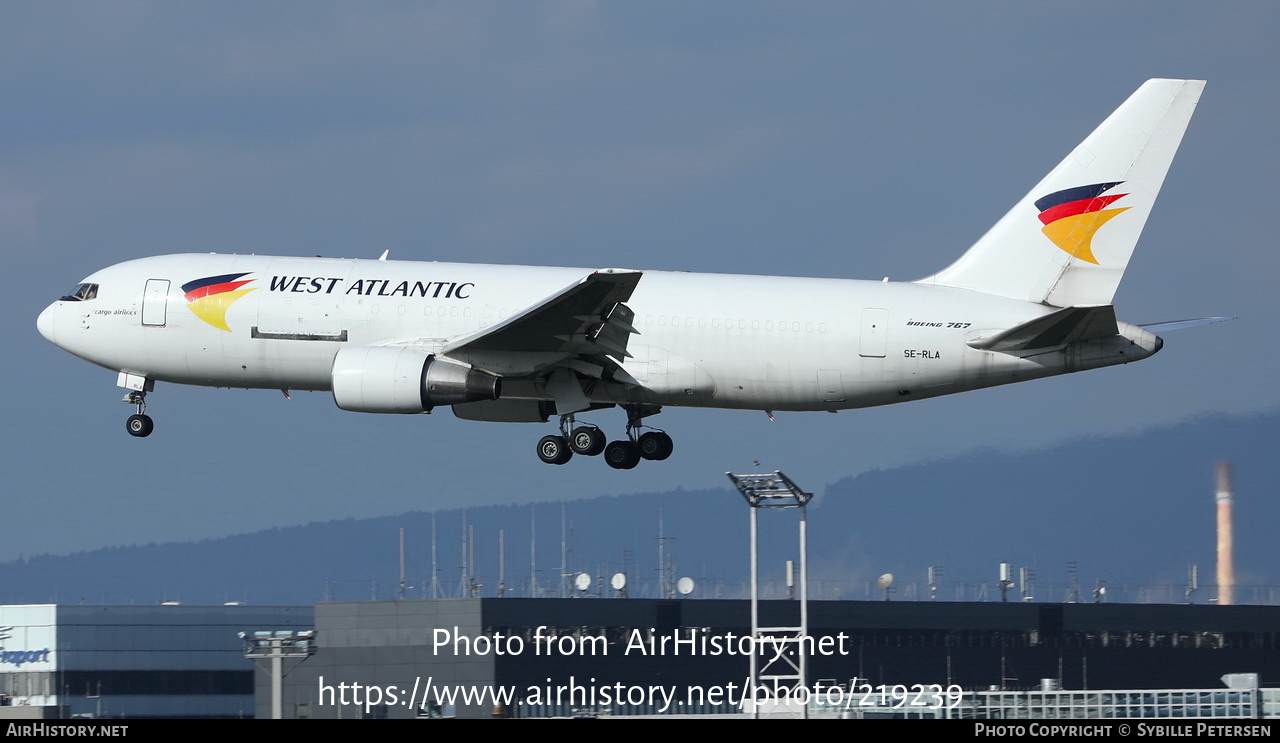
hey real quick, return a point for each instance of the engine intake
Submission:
(391, 379)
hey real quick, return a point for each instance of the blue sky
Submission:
(853, 140)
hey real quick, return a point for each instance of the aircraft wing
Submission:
(586, 318)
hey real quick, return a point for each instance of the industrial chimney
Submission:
(1226, 561)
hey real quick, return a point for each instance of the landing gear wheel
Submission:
(554, 450)
(655, 445)
(139, 425)
(622, 455)
(587, 441)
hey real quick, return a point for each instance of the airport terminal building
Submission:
(563, 657)
(59, 661)
(554, 652)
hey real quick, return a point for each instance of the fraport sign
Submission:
(18, 657)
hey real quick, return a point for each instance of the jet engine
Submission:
(391, 379)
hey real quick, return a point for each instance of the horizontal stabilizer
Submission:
(1068, 325)
(1164, 327)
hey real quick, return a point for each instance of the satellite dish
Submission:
(685, 586)
(618, 581)
(582, 581)
(884, 581)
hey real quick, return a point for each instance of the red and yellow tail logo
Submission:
(1071, 217)
(210, 297)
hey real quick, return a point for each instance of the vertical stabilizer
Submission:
(1067, 242)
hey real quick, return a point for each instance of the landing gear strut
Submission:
(139, 424)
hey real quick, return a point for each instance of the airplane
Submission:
(1031, 298)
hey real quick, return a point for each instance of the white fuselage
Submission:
(708, 340)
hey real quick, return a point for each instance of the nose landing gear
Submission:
(139, 424)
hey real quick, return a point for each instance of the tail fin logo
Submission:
(210, 297)
(1071, 217)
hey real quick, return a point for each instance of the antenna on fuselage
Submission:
(384, 255)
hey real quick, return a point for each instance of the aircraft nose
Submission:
(45, 323)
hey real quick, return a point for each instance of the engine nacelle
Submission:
(391, 379)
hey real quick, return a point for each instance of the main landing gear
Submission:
(589, 440)
(139, 424)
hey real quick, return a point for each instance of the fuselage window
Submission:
(82, 293)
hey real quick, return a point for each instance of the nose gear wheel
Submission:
(139, 424)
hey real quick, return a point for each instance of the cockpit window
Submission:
(82, 293)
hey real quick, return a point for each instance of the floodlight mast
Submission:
(275, 646)
(776, 490)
